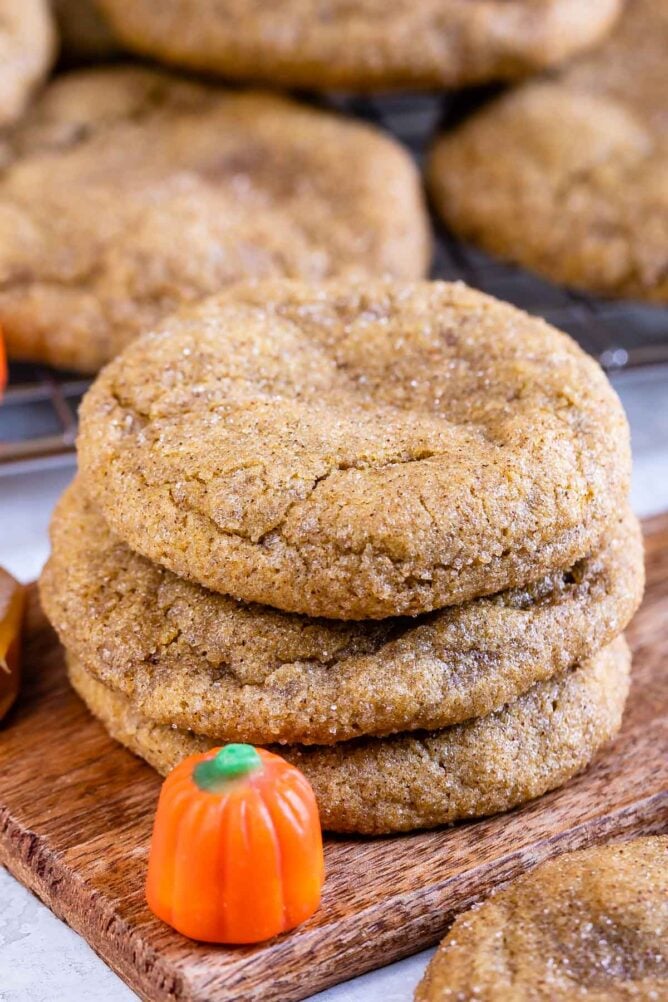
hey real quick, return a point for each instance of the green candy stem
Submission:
(231, 762)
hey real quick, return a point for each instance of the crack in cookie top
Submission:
(127, 192)
(355, 451)
(365, 45)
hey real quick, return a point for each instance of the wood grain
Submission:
(76, 810)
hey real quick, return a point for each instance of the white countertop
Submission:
(41, 959)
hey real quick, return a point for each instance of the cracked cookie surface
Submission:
(379, 785)
(569, 176)
(366, 45)
(27, 48)
(356, 451)
(189, 657)
(588, 925)
(126, 192)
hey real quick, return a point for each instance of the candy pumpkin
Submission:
(12, 598)
(236, 854)
(3, 364)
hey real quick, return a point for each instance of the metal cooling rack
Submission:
(38, 414)
(38, 417)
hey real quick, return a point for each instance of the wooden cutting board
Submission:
(76, 812)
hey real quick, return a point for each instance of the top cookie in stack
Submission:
(356, 451)
(350, 456)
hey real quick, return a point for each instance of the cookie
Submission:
(189, 657)
(569, 176)
(129, 192)
(369, 45)
(356, 451)
(588, 925)
(27, 48)
(378, 785)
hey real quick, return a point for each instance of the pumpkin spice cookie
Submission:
(588, 925)
(127, 192)
(27, 48)
(189, 657)
(378, 785)
(369, 45)
(356, 451)
(569, 176)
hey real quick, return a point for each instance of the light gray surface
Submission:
(41, 960)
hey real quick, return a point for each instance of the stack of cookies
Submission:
(382, 526)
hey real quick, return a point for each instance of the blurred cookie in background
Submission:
(128, 192)
(569, 176)
(27, 49)
(369, 45)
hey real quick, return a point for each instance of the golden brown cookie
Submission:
(378, 785)
(366, 45)
(589, 925)
(356, 450)
(186, 656)
(569, 176)
(131, 192)
(27, 48)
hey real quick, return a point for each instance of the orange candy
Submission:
(236, 854)
(3, 365)
(12, 600)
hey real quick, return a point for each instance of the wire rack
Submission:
(38, 416)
